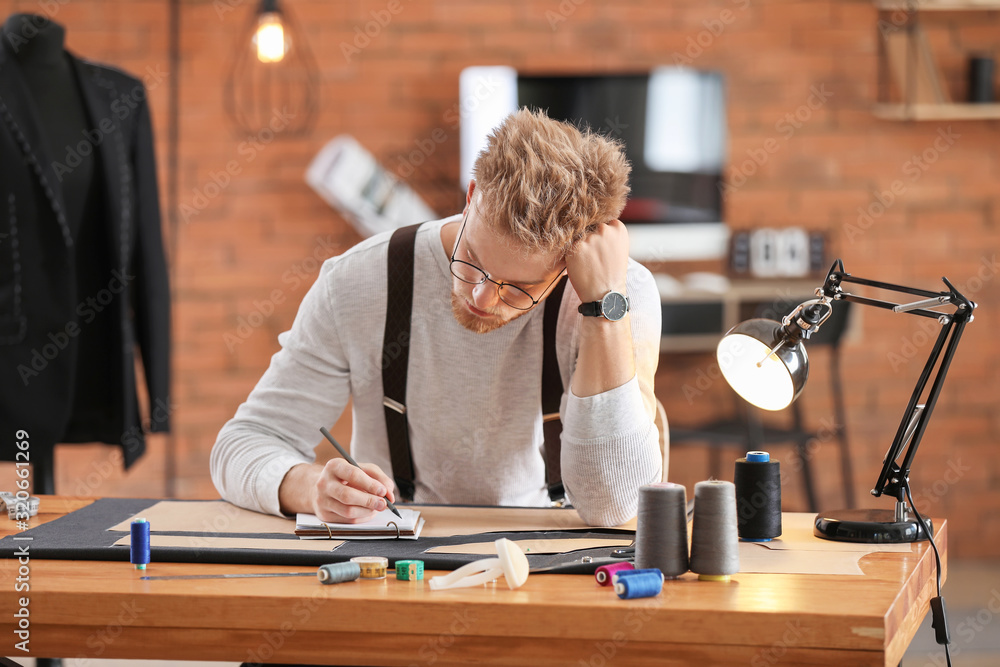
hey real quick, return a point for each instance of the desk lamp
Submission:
(765, 362)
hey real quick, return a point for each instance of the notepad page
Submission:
(407, 523)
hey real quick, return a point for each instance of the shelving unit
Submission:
(905, 61)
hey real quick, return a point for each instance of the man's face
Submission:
(479, 308)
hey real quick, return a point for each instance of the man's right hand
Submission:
(345, 494)
(336, 492)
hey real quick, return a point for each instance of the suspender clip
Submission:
(393, 404)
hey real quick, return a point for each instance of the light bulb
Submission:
(270, 39)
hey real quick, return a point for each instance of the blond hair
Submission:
(546, 185)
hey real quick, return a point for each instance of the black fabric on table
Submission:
(84, 535)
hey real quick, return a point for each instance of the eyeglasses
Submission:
(512, 295)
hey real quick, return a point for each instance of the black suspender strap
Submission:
(552, 391)
(396, 355)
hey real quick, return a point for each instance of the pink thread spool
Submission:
(604, 572)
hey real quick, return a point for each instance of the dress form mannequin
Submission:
(36, 43)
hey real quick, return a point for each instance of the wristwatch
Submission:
(612, 307)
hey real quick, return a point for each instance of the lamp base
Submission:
(868, 526)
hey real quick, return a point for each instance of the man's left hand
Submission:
(600, 262)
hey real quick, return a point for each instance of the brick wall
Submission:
(800, 80)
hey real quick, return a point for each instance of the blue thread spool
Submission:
(335, 573)
(646, 585)
(622, 574)
(139, 544)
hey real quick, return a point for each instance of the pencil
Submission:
(343, 452)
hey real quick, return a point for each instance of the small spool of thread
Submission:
(758, 497)
(624, 574)
(661, 529)
(715, 549)
(645, 585)
(410, 570)
(372, 567)
(139, 544)
(336, 573)
(604, 572)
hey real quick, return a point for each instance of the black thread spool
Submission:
(758, 497)
(661, 529)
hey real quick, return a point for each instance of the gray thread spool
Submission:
(661, 529)
(715, 550)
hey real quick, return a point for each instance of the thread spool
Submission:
(645, 585)
(715, 552)
(604, 572)
(758, 497)
(336, 573)
(625, 574)
(139, 543)
(372, 567)
(410, 570)
(661, 529)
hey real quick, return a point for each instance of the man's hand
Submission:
(345, 494)
(600, 262)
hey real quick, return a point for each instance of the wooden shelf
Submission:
(936, 5)
(937, 111)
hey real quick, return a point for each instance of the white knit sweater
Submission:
(473, 400)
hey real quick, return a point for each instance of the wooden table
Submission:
(102, 609)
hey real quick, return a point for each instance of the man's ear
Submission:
(472, 189)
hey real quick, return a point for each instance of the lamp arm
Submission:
(893, 476)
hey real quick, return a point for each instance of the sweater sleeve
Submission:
(610, 445)
(306, 386)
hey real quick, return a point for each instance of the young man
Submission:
(544, 203)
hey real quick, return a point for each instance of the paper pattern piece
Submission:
(383, 525)
(758, 559)
(451, 521)
(214, 516)
(532, 547)
(210, 542)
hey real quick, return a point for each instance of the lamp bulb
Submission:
(271, 40)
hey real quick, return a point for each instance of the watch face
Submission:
(614, 306)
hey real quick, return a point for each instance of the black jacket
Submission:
(73, 310)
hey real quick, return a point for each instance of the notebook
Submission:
(382, 526)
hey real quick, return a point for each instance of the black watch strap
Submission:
(590, 308)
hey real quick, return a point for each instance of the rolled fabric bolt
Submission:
(603, 573)
(336, 573)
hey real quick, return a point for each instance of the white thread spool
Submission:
(661, 529)
(715, 549)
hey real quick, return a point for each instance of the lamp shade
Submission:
(766, 379)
